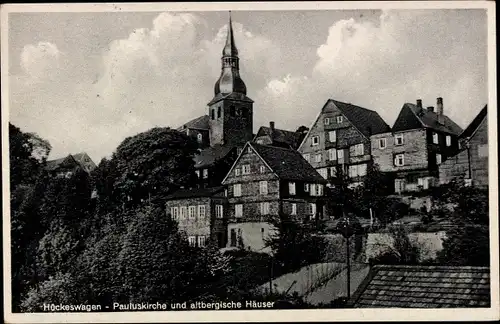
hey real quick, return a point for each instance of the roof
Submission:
(288, 164)
(197, 123)
(291, 139)
(418, 286)
(61, 162)
(194, 193)
(365, 120)
(233, 96)
(429, 119)
(210, 155)
(474, 124)
(72, 160)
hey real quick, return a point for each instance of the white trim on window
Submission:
(245, 169)
(340, 119)
(399, 160)
(294, 209)
(192, 212)
(327, 121)
(238, 210)
(192, 240)
(263, 188)
(237, 172)
(264, 208)
(317, 158)
(201, 211)
(435, 138)
(174, 211)
(262, 169)
(448, 140)
(201, 241)
(315, 140)
(237, 190)
(399, 139)
(291, 188)
(183, 212)
(382, 143)
(332, 136)
(439, 158)
(219, 211)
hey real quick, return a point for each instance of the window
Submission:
(246, 169)
(192, 211)
(313, 190)
(201, 211)
(200, 138)
(291, 188)
(323, 172)
(238, 210)
(307, 157)
(340, 156)
(174, 211)
(306, 187)
(332, 154)
(201, 241)
(340, 119)
(213, 113)
(435, 138)
(294, 209)
(399, 185)
(197, 173)
(237, 190)
(205, 173)
(319, 189)
(263, 187)
(438, 158)
(219, 211)
(358, 150)
(398, 139)
(448, 140)
(382, 143)
(264, 208)
(219, 112)
(239, 150)
(192, 240)
(482, 150)
(333, 172)
(327, 121)
(249, 150)
(182, 212)
(357, 170)
(313, 210)
(317, 158)
(332, 136)
(399, 160)
(262, 169)
(314, 140)
(237, 172)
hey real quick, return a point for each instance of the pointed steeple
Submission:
(230, 48)
(230, 80)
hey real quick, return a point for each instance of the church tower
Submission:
(230, 111)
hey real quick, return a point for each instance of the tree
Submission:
(152, 164)
(294, 244)
(466, 244)
(401, 250)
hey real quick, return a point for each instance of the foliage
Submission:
(152, 164)
(56, 289)
(401, 251)
(295, 245)
(466, 244)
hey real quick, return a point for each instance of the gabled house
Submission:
(200, 214)
(278, 137)
(471, 162)
(267, 181)
(67, 166)
(421, 139)
(418, 286)
(340, 138)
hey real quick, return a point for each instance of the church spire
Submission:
(230, 48)
(230, 80)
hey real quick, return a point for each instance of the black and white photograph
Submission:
(265, 161)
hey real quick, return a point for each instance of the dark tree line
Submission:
(71, 247)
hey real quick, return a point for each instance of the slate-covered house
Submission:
(264, 182)
(200, 214)
(421, 139)
(67, 166)
(418, 286)
(340, 138)
(278, 137)
(471, 162)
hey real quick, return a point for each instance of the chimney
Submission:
(430, 108)
(439, 110)
(419, 103)
(271, 125)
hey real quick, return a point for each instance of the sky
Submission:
(86, 81)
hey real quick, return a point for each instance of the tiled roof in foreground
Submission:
(418, 286)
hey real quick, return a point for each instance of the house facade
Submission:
(266, 182)
(339, 140)
(421, 139)
(471, 162)
(65, 167)
(201, 214)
